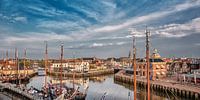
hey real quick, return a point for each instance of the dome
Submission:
(155, 54)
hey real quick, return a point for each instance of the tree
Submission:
(27, 62)
(41, 63)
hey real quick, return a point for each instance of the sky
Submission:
(99, 28)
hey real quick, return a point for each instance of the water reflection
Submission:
(100, 86)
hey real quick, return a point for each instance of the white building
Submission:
(71, 65)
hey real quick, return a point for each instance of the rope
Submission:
(167, 94)
(173, 94)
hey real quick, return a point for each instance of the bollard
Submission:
(196, 96)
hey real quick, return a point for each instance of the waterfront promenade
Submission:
(186, 91)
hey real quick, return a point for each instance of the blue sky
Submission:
(100, 28)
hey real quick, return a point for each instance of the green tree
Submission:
(27, 62)
(41, 63)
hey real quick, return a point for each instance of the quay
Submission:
(22, 78)
(14, 89)
(87, 74)
(11, 88)
(181, 90)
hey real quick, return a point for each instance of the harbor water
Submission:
(99, 87)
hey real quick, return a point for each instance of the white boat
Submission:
(41, 72)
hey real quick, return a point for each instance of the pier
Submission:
(181, 90)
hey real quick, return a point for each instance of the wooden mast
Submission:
(16, 65)
(46, 64)
(6, 65)
(73, 71)
(2, 64)
(25, 62)
(147, 63)
(135, 68)
(61, 69)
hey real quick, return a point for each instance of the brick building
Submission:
(157, 67)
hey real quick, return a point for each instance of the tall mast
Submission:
(6, 65)
(61, 65)
(6, 59)
(25, 62)
(46, 64)
(147, 63)
(134, 66)
(73, 70)
(3, 63)
(130, 58)
(16, 64)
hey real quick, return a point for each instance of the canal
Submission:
(97, 87)
(101, 86)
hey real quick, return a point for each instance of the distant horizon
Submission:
(71, 57)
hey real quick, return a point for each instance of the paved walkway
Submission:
(165, 83)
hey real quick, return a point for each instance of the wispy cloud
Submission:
(179, 30)
(31, 37)
(197, 44)
(103, 24)
(46, 11)
(106, 44)
(146, 18)
(95, 45)
(21, 19)
(13, 18)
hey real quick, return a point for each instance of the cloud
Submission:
(179, 30)
(21, 19)
(13, 18)
(96, 45)
(110, 4)
(197, 44)
(57, 24)
(33, 36)
(145, 18)
(64, 25)
(45, 10)
(106, 44)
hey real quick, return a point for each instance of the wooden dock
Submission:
(12, 88)
(181, 90)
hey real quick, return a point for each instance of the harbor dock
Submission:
(181, 90)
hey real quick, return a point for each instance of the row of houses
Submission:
(76, 65)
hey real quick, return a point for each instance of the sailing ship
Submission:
(60, 91)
